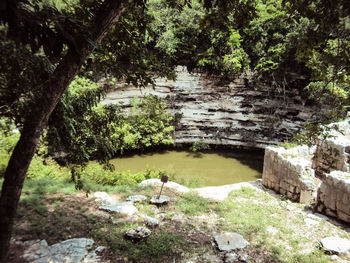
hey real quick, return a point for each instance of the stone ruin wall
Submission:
(290, 172)
(333, 195)
(239, 113)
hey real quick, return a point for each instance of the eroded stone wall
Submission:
(289, 172)
(334, 153)
(237, 113)
(333, 196)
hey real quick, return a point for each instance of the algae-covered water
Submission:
(210, 168)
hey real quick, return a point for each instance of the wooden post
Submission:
(164, 179)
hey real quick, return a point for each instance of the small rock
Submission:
(230, 241)
(155, 210)
(162, 200)
(231, 258)
(272, 230)
(311, 222)
(103, 198)
(179, 218)
(243, 257)
(150, 221)
(290, 208)
(317, 216)
(334, 258)
(211, 258)
(137, 233)
(161, 215)
(102, 214)
(124, 208)
(136, 198)
(90, 258)
(335, 245)
(12, 241)
(100, 249)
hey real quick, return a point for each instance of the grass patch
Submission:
(47, 185)
(55, 211)
(156, 248)
(192, 204)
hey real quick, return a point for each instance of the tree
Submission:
(66, 37)
(324, 47)
(13, 13)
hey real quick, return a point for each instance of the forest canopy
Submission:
(272, 39)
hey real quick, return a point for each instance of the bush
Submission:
(8, 140)
(95, 173)
(199, 146)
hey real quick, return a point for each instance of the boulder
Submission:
(230, 241)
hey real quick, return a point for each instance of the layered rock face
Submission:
(238, 113)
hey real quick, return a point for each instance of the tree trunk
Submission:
(33, 127)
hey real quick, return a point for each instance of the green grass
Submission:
(54, 210)
(156, 248)
(191, 204)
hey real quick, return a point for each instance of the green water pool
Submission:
(211, 168)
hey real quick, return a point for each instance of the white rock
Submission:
(311, 222)
(138, 233)
(102, 214)
(150, 221)
(231, 258)
(181, 218)
(220, 193)
(136, 198)
(103, 198)
(334, 258)
(230, 241)
(335, 245)
(272, 230)
(100, 249)
(69, 251)
(160, 200)
(124, 208)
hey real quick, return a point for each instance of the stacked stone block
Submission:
(337, 147)
(333, 196)
(289, 172)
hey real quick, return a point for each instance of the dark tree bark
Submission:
(33, 127)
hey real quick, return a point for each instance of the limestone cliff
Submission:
(238, 113)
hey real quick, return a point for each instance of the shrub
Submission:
(95, 173)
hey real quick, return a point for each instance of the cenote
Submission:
(211, 168)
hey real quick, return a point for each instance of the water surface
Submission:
(213, 168)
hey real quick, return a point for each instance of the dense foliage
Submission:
(276, 40)
(271, 38)
(83, 129)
